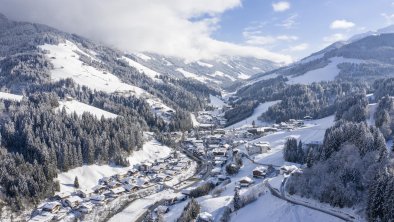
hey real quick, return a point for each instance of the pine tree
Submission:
(76, 182)
(237, 200)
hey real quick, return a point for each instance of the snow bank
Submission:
(80, 108)
(89, 175)
(9, 96)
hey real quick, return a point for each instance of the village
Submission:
(218, 152)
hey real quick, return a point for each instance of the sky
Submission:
(281, 31)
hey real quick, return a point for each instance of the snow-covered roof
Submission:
(246, 180)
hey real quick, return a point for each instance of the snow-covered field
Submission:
(260, 109)
(216, 102)
(138, 207)
(273, 209)
(80, 108)
(327, 73)
(65, 59)
(89, 175)
(9, 96)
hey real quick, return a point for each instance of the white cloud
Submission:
(341, 24)
(289, 22)
(170, 27)
(300, 47)
(334, 38)
(281, 6)
(389, 18)
(256, 38)
(287, 37)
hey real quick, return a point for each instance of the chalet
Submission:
(98, 199)
(132, 172)
(308, 118)
(113, 184)
(220, 152)
(162, 209)
(73, 201)
(117, 191)
(171, 172)
(86, 207)
(82, 193)
(258, 148)
(62, 196)
(99, 188)
(131, 187)
(216, 171)
(52, 207)
(245, 181)
(105, 180)
(120, 176)
(259, 172)
(287, 170)
(204, 217)
(146, 166)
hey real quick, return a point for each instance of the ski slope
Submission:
(258, 111)
(80, 108)
(90, 174)
(187, 74)
(327, 73)
(9, 96)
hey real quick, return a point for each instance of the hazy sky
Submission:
(277, 30)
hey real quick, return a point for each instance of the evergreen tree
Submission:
(76, 182)
(237, 200)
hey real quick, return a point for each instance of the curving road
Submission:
(281, 194)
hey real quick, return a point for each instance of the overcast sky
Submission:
(281, 31)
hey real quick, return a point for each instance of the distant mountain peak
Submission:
(3, 18)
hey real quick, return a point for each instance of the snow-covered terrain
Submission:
(65, 58)
(260, 109)
(216, 102)
(371, 109)
(80, 108)
(327, 73)
(9, 96)
(142, 69)
(138, 207)
(192, 75)
(90, 174)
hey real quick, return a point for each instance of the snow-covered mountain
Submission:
(367, 57)
(222, 72)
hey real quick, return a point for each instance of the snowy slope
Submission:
(142, 69)
(80, 108)
(327, 73)
(9, 96)
(90, 174)
(260, 109)
(216, 102)
(192, 75)
(66, 63)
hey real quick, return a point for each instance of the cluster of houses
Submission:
(141, 176)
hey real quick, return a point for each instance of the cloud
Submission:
(334, 38)
(289, 22)
(300, 47)
(280, 6)
(341, 24)
(256, 38)
(389, 18)
(181, 28)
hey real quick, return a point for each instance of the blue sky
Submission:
(277, 30)
(306, 22)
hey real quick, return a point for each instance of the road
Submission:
(281, 194)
